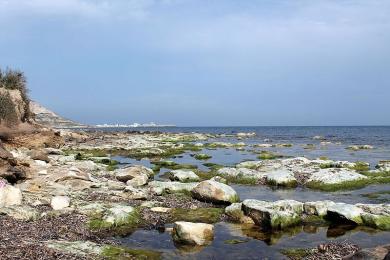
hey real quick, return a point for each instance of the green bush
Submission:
(8, 114)
(15, 80)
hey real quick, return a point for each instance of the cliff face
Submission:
(46, 117)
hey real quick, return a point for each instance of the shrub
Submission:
(15, 80)
(8, 114)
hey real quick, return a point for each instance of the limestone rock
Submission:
(281, 177)
(131, 172)
(345, 212)
(60, 202)
(10, 196)
(193, 233)
(213, 191)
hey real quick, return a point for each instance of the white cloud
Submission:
(131, 9)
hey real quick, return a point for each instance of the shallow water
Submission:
(254, 243)
(304, 194)
(258, 245)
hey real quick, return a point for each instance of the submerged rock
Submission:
(212, 191)
(193, 233)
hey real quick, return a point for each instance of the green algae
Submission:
(117, 252)
(202, 156)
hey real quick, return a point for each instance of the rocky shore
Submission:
(63, 195)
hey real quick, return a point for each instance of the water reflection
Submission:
(253, 243)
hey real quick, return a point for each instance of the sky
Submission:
(203, 62)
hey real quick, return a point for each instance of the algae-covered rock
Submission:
(278, 215)
(193, 233)
(213, 191)
(335, 176)
(281, 177)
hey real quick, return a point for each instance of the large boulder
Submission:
(193, 233)
(10, 196)
(184, 176)
(212, 191)
(131, 172)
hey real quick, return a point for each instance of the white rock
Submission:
(281, 177)
(346, 212)
(213, 191)
(335, 175)
(184, 176)
(10, 196)
(192, 233)
(60, 202)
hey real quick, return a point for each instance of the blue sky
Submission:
(204, 62)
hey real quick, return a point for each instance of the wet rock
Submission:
(377, 253)
(60, 202)
(131, 172)
(273, 215)
(184, 176)
(341, 212)
(192, 233)
(360, 147)
(376, 215)
(234, 211)
(383, 166)
(10, 196)
(212, 191)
